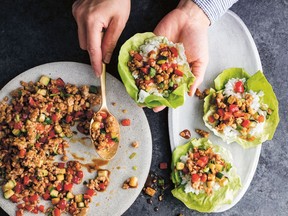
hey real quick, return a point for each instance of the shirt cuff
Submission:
(214, 9)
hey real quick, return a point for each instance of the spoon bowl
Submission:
(104, 127)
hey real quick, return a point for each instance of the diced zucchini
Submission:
(103, 173)
(152, 72)
(212, 167)
(93, 89)
(41, 117)
(180, 166)
(79, 198)
(60, 177)
(69, 195)
(54, 193)
(42, 172)
(58, 129)
(8, 194)
(9, 185)
(62, 171)
(16, 132)
(42, 92)
(44, 80)
(219, 175)
(50, 188)
(17, 118)
(61, 134)
(219, 167)
(81, 205)
(48, 120)
(54, 201)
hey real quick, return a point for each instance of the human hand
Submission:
(92, 17)
(188, 24)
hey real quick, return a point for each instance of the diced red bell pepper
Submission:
(201, 163)
(79, 114)
(233, 108)
(79, 174)
(245, 123)
(14, 198)
(174, 52)
(165, 66)
(204, 159)
(90, 192)
(178, 72)
(18, 188)
(62, 204)
(18, 125)
(21, 205)
(49, 106)
(40, 127)
(19, 212)
(203, 178)
(68, 186)
(102, 186)
(26, 180)
(33, 198)
(239, 86)
(51, 134)
(41, 208)
(138, 57)
(56, 212)
(37, 145)
(60, 82)
(22, 153)
(144, 70)
(220, 112)
(32, 102)
(59, 187)
(35, 210)
(55, 117)
(238, 114)
(55, 90)
(196, 155)
(125, 122)
(29, 208)
(46, 196)
(76, 179)
(195, 177)
(211, 119)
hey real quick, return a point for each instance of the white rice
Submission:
(229, 87)
(255, 105)
(184, 158)
(230, 132)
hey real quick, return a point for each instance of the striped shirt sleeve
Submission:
(214, 9)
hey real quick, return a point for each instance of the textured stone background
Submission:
(36, 32)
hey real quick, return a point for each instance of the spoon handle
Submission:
(103, 86)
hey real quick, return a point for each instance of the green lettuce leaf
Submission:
(175, 99)
(203, 202)
(256, 83)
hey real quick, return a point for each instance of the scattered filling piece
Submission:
(202, 170)
(125, 122)
(157, 67)
(238, 112)
(131, 182)
(100, 183)
(202, 95)
(202, 133)
(104, 131)
(186, 134)
(33, 125)
(135, 144)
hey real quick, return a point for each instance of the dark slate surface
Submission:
(37, 32)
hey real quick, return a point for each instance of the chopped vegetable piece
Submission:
(132, 155)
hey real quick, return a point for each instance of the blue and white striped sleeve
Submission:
(214, 9)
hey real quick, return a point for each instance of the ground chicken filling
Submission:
(33, 126)
(104, 131)
(203, 171)
(238, 112)
(156, 69)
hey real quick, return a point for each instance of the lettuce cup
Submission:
(154, 70)
(242, 108)
(204, 176)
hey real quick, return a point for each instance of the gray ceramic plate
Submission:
(230, 45)
(115, 200)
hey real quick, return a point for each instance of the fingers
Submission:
(94, 37)
(198, 69)
(158, 109)
(111, 37)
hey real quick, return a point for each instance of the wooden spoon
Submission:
(106, 149)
